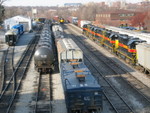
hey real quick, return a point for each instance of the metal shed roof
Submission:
(16, 20)
(68, 50)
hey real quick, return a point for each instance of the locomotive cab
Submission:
(11, 37)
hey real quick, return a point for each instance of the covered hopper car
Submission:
(83, 94)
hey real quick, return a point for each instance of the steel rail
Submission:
(39, 96)
(9, 84)
(125, 71)
(117, 93)
(23, 68)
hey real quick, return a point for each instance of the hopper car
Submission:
(83, 94)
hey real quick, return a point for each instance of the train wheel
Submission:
(145, 71)
(49, 70)
(141, 69)
(127, 60)
(39, 70)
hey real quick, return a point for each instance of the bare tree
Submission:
(2, 1)
(89, 11)
(2, 10)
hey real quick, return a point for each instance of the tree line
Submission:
(84, 12)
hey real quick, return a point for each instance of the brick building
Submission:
(115, 18)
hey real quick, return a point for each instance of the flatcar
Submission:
(44, 55)
(83, 94)
(12, 35)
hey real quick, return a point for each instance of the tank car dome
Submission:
(44, 53)
(45, 34)
(46, 40)
(44, 43)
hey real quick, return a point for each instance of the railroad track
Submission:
(118, 103)
(43, 102)
(6, 74)
(7, 66)
(1, 68)
(115, 69)
(16, 78)
(127, 76)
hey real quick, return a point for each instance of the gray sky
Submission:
(53, 2)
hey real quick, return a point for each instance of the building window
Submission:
(131, 14)
(122, 15)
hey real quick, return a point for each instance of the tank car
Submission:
(44, 56)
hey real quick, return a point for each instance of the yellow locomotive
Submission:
(61, 20)
(122, 45)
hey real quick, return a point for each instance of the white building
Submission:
(8, 23)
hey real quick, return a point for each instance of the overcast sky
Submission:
(53, 2)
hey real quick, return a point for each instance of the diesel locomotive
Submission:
(61, 20)
(12, 35)
(122, 45)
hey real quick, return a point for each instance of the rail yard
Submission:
(57, 69)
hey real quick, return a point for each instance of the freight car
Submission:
(12, 36)
(82, 92)
(44, 56)
(58, 31)
(143, 56)
(73, 20)
(126, 47)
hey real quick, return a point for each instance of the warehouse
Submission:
(8, 23)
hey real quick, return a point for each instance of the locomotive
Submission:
(44, 56)
(12, 35)
(61, 20)
(124, 46)
(83, 94)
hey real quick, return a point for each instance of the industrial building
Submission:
(8, 23)
(116, 17)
